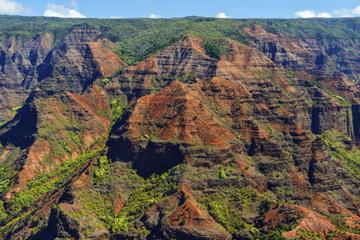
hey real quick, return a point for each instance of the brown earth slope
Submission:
(261, 143)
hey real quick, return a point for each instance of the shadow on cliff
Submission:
(148, 157)
(21, 130)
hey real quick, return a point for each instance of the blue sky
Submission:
(182, 8)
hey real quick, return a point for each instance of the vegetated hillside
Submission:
(193, 128)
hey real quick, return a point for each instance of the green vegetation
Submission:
(333, 94)
(118, 106)
(139, 38)
(228, 206)
(7, 172)
(274, 235)
(337, 147)
(341, 100)
(65, 146)
(43, 184)
(136, 40)
(222, 173)
(93, 202)
(62, 133)
(75, 137)
(265, 75)
(6, 175)
(216, 47)
(290, 74)
(103, 169)
(153, 191)
(104, 82)
(3, 214)
(340, 222)
(219, 209)
(309, 235)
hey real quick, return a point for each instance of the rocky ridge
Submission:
(259, 144)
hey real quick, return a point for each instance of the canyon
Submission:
(228, 129)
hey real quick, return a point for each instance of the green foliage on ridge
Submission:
(43, 184)
(140, 38)
(153, 191)
(229, 205)
(118, 106)
(336, 146)
(216, 47)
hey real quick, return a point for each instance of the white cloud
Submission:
(221, 15)
(344, 12)
(56, 10)
(115, 17)
(312, 14)
(11, 7)
(153, 15)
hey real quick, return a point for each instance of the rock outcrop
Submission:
(18, 61)
(62, 116)
(260, 143)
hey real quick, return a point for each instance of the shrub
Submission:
(222, 173)
(118, 106)
(309, 235)
(104, 82)
(65, 146)
(216, 47)
(75, 137)
(3, 215)
(103, 169)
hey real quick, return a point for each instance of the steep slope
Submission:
(18, 61)
(185, 59)
(249, 115)
(207, 138)
(58, 120)
(315, 55)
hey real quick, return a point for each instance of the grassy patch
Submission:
(222, 173)
(6, 175)
(118, 106)
(96, 202)
(3, 214)
(153, 191)
(336, 146)
(7, 172)
(342, 101)
(228, 205)
(309, 235)
(75, 137)
(43, 184)
(103, 169)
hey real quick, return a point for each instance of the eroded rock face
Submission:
(185, 59)
(248, 106)
(316, 56)
(59, 120)
(187, 220)
(216, 116)
(167, 135)
(71, 64)
(18, 61)
(244, 134)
